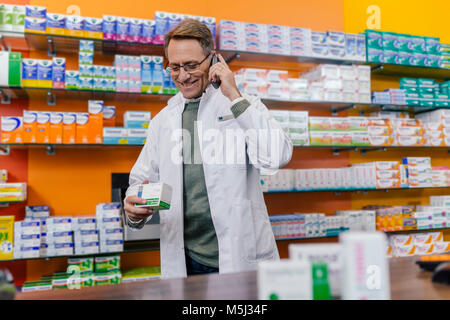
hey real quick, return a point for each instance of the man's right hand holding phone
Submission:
(136, 214)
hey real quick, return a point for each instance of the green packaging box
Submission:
(426, 100)
(412, 102)
(429, 90)
(420, 59)
(390, 56)
(80, 265)
(404, 42)
(418, 44)
(375, 55)
(104, 264)
(374, 39)
(107, 278)
(425, 82)
(441, 100)
(432, 45)
(408, 81)
(405, 58)
(15, 66)
(410, 89)
(390, 41)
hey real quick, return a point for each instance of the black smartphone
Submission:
(215, 84)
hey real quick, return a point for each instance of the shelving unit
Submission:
(352, 190)
(129, 246)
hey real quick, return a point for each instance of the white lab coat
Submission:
(236, 200)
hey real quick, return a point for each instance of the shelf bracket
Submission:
(50, 150)
(337, 150)
(5, 150)
(51, 47)
(234, 56)
(336, 110)
(376, 68)
(364, 151)
(51, 98)
(6, 99)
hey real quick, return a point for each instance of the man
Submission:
(218, 220)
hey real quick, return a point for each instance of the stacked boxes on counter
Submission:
(109, 224)
(413, 172)
(295, 123)
(107, 270)
(284, 40)
(134, 131)
(417, 244)
(403, 49)
(13, 192)
(326, 82)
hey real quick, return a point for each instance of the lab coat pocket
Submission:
(264, 238)
(242, 231)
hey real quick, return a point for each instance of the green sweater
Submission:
(200, 239)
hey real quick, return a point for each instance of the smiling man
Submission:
(218, 220)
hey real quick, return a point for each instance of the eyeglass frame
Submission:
(195, 64)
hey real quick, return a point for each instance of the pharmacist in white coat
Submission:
(209, 145)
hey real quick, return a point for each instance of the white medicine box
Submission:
(157, 195)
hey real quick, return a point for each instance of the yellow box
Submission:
(6, 237)
(74, 26)
(82, 131)
(95, 121)
(56, 24)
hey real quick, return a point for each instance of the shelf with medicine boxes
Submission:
(409, 71)
(52, 95)
(128, 247)
(357, 190)
(50, 149)
(54, 44)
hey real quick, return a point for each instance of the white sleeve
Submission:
(268, 145)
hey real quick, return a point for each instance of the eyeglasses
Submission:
(189, 67)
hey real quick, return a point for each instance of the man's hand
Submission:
(136, 214)
(221, 71)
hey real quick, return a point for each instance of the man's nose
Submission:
(183, 75)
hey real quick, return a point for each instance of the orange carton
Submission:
(43, 127)
(95, 121)
(12, 130)
(29, 126)
(69, 127)
(56, 127)
(109, 116)
(82, 132)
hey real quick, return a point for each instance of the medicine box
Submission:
(157, 195)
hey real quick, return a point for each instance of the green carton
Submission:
(432, 45)
(390, 41)
(408, 81)
(390, 56)
(404, 42)
(374, 39)
(109, 263)
(424, 82)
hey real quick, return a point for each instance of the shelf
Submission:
(410, 71)
(364, 149)
(55, 44)
(52, 95)
(350, 190)
(128, 247)
(50, 149)
(337, 235)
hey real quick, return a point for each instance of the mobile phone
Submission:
(215, 84)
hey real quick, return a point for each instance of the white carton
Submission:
(157, 195)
